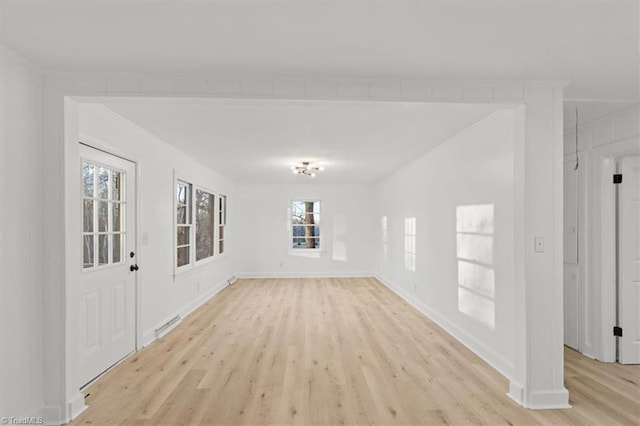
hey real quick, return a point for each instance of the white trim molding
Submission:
(548, 400)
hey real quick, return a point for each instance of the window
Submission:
(205, 215)
(102, 215)
(196, 222)
(183, 224)
(222, 221)
(305, 225)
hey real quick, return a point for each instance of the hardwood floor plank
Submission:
(331, 352)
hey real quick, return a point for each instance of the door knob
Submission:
(133, 267)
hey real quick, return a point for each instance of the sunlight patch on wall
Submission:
(384, 230)
(476, 276)
(410, 243)
(339, 231)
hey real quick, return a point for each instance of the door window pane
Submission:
(87, 179)
(116, 185)
(103, 249)
(87, 249)
(116, 247)
(116, 217)
(103, 182)
(103, 216)
(87, 215)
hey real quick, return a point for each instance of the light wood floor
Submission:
(331, 352)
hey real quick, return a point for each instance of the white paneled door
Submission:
(108, 261)
(629, 261)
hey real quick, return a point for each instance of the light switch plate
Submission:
(538, 244)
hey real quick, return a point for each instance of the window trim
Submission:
(290, 226)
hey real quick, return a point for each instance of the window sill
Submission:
(314, 253)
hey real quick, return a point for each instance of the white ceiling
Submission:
(256, 141)
(589, 110)
(592, 44)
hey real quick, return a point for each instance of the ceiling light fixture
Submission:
(306, 168)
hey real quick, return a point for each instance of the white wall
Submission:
(589, 273)
(162, 295)
(475, 167)
(346, 230)
(21, 254)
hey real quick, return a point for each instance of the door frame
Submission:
(605, 298)
(99, 145)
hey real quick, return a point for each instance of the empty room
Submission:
(319, 212)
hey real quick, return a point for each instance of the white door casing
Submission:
(629, 260)
(107, 281)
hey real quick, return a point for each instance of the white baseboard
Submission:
(75, 407)
(150, 335)
(503, 366)
(356, 274)
(516, 392)
(549, 400)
